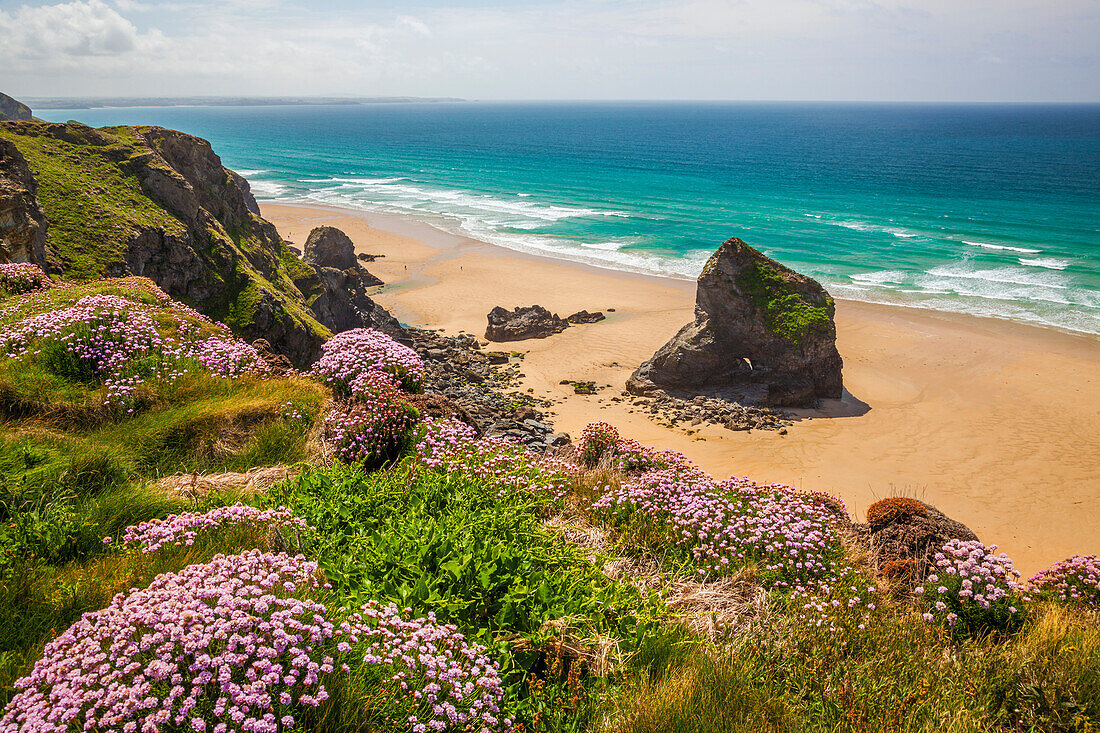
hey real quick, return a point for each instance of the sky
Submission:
(884, 50)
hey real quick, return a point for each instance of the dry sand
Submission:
(996, 423)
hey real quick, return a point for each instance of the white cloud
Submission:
(731, 49)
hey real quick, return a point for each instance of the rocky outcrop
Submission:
(13, 109)
(160, 204)
(763, 334)
(904, 535)
(531, 322)
(585, 317)
(330, 247)
(22, 223)
(345, 304)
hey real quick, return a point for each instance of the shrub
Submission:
(596, 439)
(372, 429)
(905, 568)
(442, 681)
(972, 590)
(21, 277)
(234, 642)
(359, 351)
(451, 446)
(888, 510)
(183, 529)
(1075, 580)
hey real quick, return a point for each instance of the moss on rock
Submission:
(787, 313)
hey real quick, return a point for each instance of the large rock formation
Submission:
(345, 303)
(330, 247)
(13, 109)
(156, 202)
(530, 322)
(762, 334)
(22, 223)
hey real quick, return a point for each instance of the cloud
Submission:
(69, 31)
(731, 49)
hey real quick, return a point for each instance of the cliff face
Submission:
(22, 223)
(13, 109)
(762, 334)
(156, 202)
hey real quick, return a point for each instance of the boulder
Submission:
(907, 533)
(532, 322)
(330, 247)
(586, 317)
(277, 363)
(763, 334)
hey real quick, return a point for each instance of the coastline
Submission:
(995, 422)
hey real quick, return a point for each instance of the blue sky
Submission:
(918, 50)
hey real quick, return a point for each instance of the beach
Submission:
(995, 422)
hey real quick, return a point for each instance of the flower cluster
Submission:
(503, 465)
(600, 444)
(234, 643)
(729, 523)
(183, 529)
(226, 356)
(971, 588)
(99, 336)
(1076, 580)
(371, 429)
(21, 277)
(351, 354)
(444, 682)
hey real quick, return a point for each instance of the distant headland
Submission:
(94, 102)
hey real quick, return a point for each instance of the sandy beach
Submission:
(996, 423)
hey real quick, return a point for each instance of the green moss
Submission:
(92, 201)
(787, 313)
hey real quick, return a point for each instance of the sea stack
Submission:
(763, 334)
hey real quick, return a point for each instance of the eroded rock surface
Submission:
(763, 334)
(531, 322)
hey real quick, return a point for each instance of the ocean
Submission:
(992, 210)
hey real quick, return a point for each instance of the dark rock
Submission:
(277, 363)
(364, 257)
(295, 250)
(586, 317)
(497, 357)
(22, 222)
(523, 323)
(558, 440)
(762, 334)
(439, 406)
(13, 109)
(330, 247)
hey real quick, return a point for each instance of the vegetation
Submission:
(450, 582)
(786, 313)
(96, 188)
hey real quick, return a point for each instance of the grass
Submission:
(788, 314)
(579, 650)
(94, 187)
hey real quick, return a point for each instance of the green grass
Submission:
(91, 198)
(91, 190)
(786, 313)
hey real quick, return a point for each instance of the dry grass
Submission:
(253, 481)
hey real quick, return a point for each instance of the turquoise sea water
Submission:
(990, 210)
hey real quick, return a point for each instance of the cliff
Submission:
(13, 109)
(762, 334)
(87, 203)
